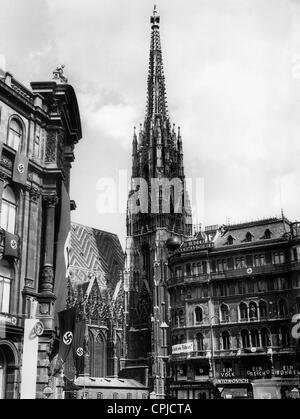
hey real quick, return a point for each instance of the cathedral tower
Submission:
(158, 213)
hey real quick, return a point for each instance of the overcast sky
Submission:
(232, 72)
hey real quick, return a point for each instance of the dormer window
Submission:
(249, 237)
(267, 234)
(230, 240)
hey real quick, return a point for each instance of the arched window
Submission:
(97, 355)
(226, 340)
(245, 338)
(2, 374)
(176, 319)
(252, 310)
(285, 336)
(262, 309)
(15, 133)
(6, 276)
(8, 210)
(255, 338)
(243, 311)
(267, 234)
(198, 315)
(224, 313)
(199, 341)
(265, 337)
(181, 318)
(282, 308)
(248, 237)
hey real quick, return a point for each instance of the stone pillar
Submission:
(46, 297)
(47, 275)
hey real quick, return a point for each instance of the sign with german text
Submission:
(183, 348)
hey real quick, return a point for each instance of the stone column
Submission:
(47, 275)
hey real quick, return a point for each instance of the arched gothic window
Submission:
(243, 311)
(265, 337)
(255, 338)
(262, 309)
(252, 310)
(226, 340)
(282, 308)
(245, 338)
(198, 315)
(224, 313)
(97, 355)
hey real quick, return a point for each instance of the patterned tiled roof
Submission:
(95, 253)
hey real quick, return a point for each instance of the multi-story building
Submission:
(158, 209)
(233, 293)
(39, 128)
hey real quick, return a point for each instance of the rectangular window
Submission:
(205, 291)
(242, 287)
(204, 267)
(230, 263)
(220, 266)
(232, 288)
(213, 266)
(115, 396)
(249, 261)
(268, 258)
(250, 287)
(4, 294)
(188, 269)
(129, 395)
(224, 263)
(223, 290)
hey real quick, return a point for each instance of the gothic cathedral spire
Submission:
(158, 210)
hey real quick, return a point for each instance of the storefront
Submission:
(233, 388)
(276, 388)
(192, 390)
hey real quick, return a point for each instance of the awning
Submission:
(234, 393)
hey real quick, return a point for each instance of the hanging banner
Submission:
(66, 334)
(78, 347)
(11, 245)
(62, 251)
(29, 358)
(20, 169)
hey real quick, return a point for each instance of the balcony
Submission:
(256, 270)
(191, 279)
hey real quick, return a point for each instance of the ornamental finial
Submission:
(155, 18)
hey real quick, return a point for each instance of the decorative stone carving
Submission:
(51, 147)
(47, 278)
(51, 200)
(34, 194)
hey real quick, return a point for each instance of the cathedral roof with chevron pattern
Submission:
(95, 253)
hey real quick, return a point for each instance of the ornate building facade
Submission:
(39, 128)
(235, 291)
(158, 211)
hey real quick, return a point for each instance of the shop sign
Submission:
(183, 348)
(232, 381)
